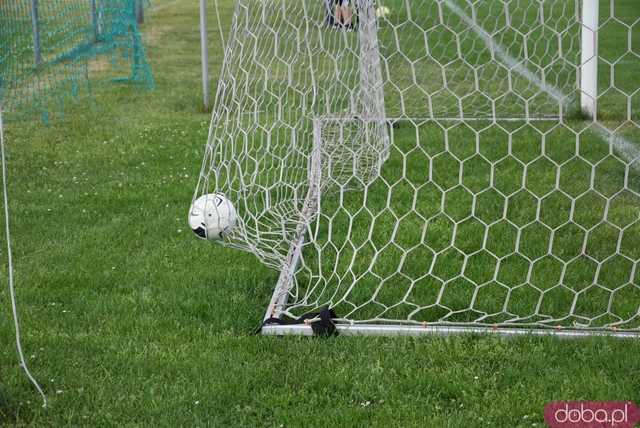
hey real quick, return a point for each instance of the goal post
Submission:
(424, 171)
(589, 58)
(204, 54)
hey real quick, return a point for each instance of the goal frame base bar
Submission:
(280, 295)
(441, 330)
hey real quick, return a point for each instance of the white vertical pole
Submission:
(204, 52)
(589, 58)
(35, 24)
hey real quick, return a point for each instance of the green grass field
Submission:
(128, 320)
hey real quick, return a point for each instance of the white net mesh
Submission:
(431, 164)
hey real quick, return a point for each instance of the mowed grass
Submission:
(129, 320)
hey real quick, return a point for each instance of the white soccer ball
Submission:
(382, 11)
(212, 216)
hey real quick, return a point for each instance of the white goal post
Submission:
(589, 58)
(435, 166)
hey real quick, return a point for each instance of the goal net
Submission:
(54, 51)
(436, 165)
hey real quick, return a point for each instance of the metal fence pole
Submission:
(36, 32)
(139, 11)
(94, 20)
(204, 51)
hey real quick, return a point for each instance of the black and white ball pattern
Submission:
(212, 216)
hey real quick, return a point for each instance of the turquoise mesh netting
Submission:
(54, 50)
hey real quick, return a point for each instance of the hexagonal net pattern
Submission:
(430, 162)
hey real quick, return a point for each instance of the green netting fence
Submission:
(52, 51)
